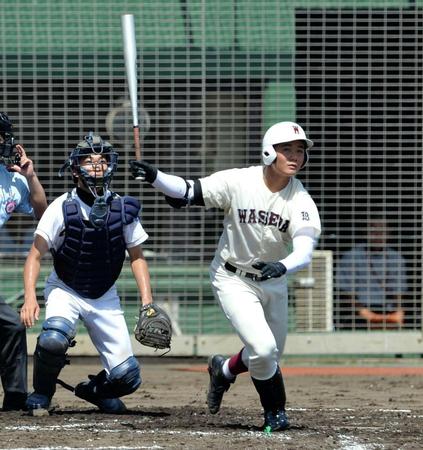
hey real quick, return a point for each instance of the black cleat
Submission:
(85, 391)
(219, 384)
(275, 421)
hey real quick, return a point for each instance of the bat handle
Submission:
(137, 146)
(137, 143)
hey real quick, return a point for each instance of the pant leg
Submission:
(13, 352)
(105, 322)
(242, 303)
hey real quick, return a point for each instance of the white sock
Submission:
(226, 372)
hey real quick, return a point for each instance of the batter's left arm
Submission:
(141, 273)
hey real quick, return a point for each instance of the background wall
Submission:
(213, 75)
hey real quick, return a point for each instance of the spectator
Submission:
(372, 282)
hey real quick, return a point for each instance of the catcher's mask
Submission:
(92, 145)
(8, 155)
(279, 133)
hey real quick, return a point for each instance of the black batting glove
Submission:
(270, 270)
(142, 170)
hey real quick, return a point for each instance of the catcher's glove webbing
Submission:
(154, 328)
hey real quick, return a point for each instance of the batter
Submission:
(271, 226)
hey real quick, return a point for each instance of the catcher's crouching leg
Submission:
(104, 390)
(49, 358)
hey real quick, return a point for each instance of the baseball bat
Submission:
(130, 53)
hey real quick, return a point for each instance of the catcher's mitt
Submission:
(154, 328)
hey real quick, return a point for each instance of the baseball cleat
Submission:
(38, 405)
(106, 405)
(219, 384)
(275, 421)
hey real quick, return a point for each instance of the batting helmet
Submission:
(92, 145)
(279, 133)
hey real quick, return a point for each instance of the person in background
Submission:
(20, 192)
(372, 280)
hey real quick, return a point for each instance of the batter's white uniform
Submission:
(258, 226)
(102, 317)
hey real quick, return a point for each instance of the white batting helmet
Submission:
(279, 133)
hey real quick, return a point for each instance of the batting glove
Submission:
(143, 170)
(270, 270)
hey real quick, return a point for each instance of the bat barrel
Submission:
(130, 53)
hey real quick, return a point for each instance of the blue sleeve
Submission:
(398, 274)
(345, 272)
(24, 205)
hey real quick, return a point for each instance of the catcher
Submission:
(88, 232)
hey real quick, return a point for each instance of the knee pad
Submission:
(50, 353)
(122, 380)
(54, 340)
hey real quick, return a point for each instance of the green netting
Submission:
(350, 4)
(267, 26)
(212, 24)
(47, 26)
(279, 103)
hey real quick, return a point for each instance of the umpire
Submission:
(20, 191)
(13, 358)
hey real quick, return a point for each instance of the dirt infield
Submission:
(338, 405)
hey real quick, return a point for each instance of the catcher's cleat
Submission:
(275, 420)
(219, 384)
(85, 391)
(38, 405)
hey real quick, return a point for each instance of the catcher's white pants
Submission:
(103, 318)
(258, 311)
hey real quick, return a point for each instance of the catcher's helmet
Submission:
(92, 145)
(279, 133)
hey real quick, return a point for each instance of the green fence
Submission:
(184, 290)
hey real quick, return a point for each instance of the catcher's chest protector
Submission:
(91, 259)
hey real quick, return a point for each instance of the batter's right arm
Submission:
(178, 191)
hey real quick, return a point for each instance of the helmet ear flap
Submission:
(268, 155)
(305, 159)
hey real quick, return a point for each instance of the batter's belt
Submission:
(252, 276)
